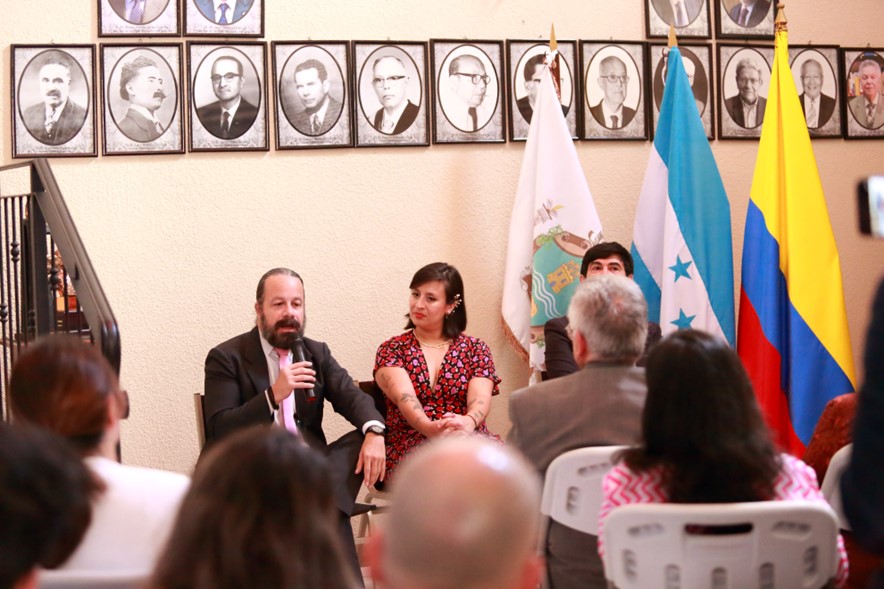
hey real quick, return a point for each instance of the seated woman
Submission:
(260, 513)
(438, 381)
(66, 386)
(703, 438)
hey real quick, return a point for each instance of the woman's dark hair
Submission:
(259, 513)
(63, 384)
(702, 425)
(455, 323)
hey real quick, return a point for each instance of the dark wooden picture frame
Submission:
(697, 58)
(692, 19)
(524, 61)
(857, 80)
(220, 73)
(633, 122)
(245, 19)
(402, 89)
(731, 118)
(53, 100)
(760, 23)
(138, 79)
(479, 88)
(818, 68)
(154, 18)
(311, 81)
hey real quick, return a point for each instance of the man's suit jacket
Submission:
(207, 7)
(599, 115)
(858, 109)
(69, 123)
(405, 121)
(762, 7)
(137, 127)
(301, 120)
(559, 351)
(663, 8)
(152, 9)
(734, 106)
(827, 108)
(210, 117)
(600, 405)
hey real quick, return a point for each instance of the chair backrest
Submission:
(572, 490)
(831, 487)
(764, 545)
(200, 411)
(61, 579)
(371, 388)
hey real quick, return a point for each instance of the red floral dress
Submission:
(467, 358)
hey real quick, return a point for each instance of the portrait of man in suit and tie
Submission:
(142, 86)
(231, 115)
(320, 110)
(138, 12)
(613, 80)
(868, 107)
(57, 117)
(746, 108)
(468, 82)
(818, 107)
(390, 82)
(223, 12)
(678, 13)
(747, 13)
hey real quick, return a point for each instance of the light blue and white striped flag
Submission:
(682, 236)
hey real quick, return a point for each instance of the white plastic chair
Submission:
(831, 486)
(764, 545)
(61, 579)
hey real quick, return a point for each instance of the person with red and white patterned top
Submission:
(703, 438)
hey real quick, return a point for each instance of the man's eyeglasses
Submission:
(475, 78)
(226, 77)
(383, 81)
(612, 79)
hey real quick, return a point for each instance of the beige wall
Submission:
(179, 241)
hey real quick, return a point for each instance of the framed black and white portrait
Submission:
(697, 60)
(863, 109)
(224, 18)
(312, 94)
(468, 91)
(691, 18)
(614, 93)
(141, 99)
(390, 81)
(743, 83)
(53, 100)
(138, 18)
(525, 63)
(816, 73)
(745, 19)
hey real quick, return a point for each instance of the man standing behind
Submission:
(600, 405)
(231, 115)
(469, 83)
(321, 111)
(747, 107)
(255, 378)
(868, 108)
(613, 81)
(390, 83)
(817, 107)
(57, 119)
(142, 85)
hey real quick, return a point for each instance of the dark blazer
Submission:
(152, 9)
(762, 7)
(137, 127)
(69, 123)
(405, 121)
(207, 7)
(827, 108)
(301, 120)
(734, 107)
(210, 117)
(559, 351)
(599, 115)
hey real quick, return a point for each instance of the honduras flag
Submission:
(682, 236)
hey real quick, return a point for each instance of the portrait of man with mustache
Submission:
(57, 118)
(141, 84)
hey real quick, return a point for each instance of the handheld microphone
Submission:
(298, 352)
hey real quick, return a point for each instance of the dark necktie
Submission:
(870, 114)
(744, 17)
(137, 12)
(316, 124)
(473, 118)
(225, 125)
(615, 122)
(224, 8)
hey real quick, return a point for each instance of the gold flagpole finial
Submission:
(552, 38)
(673, 40)
(780, 23)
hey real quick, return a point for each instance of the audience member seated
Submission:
(604, 258)
(703, 438)
(66, 386)
(437, 380)
(464, 514)
(600, 405)
(260, 513)
(45, 508)
(832, 432)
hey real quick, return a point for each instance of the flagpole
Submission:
(554, 63)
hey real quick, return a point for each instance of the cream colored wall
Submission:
(179, 241)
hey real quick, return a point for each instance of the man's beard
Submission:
(281, 340)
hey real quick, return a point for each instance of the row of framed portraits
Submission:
(377, 93)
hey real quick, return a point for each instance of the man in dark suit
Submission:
(613, 81)
(255, 379)
(746, 108)
(321, 110)
(138, 11)
(818, 108)
(599, 405)
(390, 82)
(142, 85)
(749, 13)
(57, 119)
(231, 115)
(219, 11)
(604, 258)
(531, 74)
